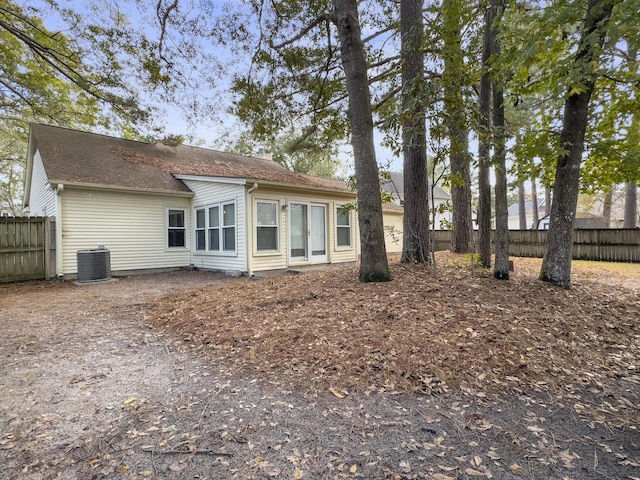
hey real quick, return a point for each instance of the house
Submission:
(582, 220)
(437, 197)
(513, 213)
(157, 207)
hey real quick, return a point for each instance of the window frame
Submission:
(211, 229)
(224, 228)
(183, 228)
(348, 227)
(218, 229)
(276, 205)
(202, 229)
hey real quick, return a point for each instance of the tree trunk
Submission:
(534, 204)
(522, 206)
(453, 80)
(556, 264)
(630, 205)
(484, 149)
(501, 268)
(606, 208)
(374, 266)
(415, 245)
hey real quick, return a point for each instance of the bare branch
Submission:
(316, 21)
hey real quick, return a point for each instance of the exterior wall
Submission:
(133, 226)
(272, 260)
(207, 193)
(42, 198)
(392, 231)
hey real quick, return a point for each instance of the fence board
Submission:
(24, 251)
(605, 245)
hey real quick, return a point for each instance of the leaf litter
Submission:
(443, 375)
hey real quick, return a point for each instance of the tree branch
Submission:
(314, 23)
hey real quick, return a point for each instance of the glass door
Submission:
(318, 233)
(298, 233)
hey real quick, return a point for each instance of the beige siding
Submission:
(208, 193)
(393, 231)
(343, 254)
(270, 260)
(42, 198)
(277, 260)
(133, 226)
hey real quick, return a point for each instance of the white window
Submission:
(229, 227)
(201, 235)
(267, 225)
(177, 229)
(216, 227)
(343, 227)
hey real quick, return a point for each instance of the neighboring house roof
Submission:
(75, 157)
(392, 207)
(513, 209)
(582, 220)
(395, 185)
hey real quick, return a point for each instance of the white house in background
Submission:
(513, 213)
(583, 220)
(395, 186)
(157, 207)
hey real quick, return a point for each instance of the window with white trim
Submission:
(176, 228)
(229, 227)
(266, 226)
(343, 227)
(216, 227)
(201, 234)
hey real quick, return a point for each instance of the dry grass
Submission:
(428, 331)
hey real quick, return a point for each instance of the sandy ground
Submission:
(89, 390)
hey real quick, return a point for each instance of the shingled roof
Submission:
(72, 156)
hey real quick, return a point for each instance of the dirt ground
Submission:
(194, 375)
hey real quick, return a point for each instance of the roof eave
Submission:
(117, 188)
(299, 186)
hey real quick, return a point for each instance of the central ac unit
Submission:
(94, 265)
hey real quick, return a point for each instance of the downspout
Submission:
(59, 270)
(249, 229)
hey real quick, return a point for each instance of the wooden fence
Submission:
(26, 248)
(605, 245)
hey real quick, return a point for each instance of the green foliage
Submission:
(539, 68)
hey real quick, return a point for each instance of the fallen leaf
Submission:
(123, 469)
(129, 400)
(297, 474)
(515, 468)
(474, 473)
(353, 469)
(336, 392)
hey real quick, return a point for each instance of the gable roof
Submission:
(395, 186)
(75, 157)
(514, 208)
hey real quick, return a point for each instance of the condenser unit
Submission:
(94, 265)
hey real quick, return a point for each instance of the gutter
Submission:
(248, 228)
(59, 270)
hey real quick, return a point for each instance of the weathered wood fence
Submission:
(605, 245)
(26, 248)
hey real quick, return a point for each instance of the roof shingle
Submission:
(73, 156)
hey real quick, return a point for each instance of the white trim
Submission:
(186, 227)
(207, 227)
(117, 188)
(277, 227)
(59, 239)
(338, 226)
(201, 178)
(309, 258)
